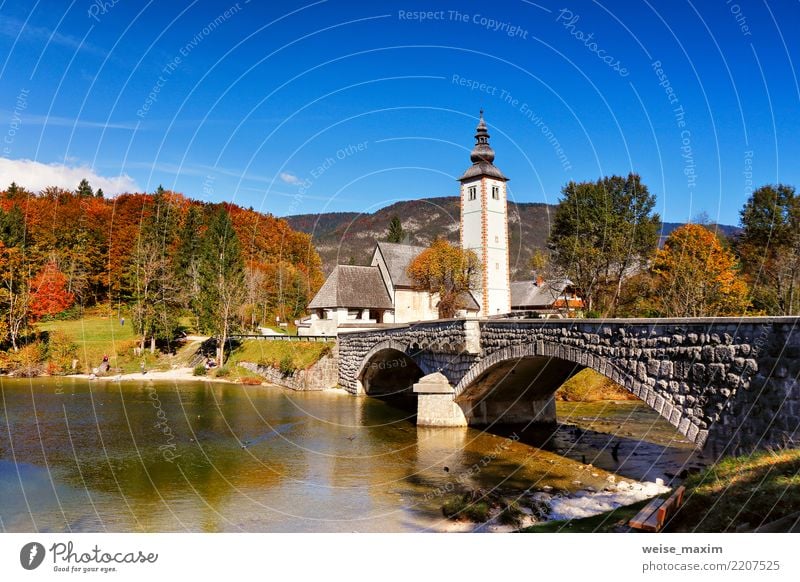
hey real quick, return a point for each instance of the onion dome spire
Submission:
(482, 152)
(482, 156)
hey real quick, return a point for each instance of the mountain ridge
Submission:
(349, 237)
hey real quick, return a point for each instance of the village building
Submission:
(362, 297)
(539, 298)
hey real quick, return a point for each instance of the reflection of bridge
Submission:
(731, 384)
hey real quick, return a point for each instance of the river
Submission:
(77, 455)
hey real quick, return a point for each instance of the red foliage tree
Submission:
(49, 293)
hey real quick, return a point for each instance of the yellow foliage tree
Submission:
(697, 277)
(448, 270)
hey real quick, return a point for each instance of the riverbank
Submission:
(752, 493)
(175, 375)
(497, 511)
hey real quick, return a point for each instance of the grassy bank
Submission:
(589, 386)
(284, 355)
(737, 494)
(742, 494)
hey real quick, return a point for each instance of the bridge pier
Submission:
(435, 402)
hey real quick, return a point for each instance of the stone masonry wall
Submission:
(729, 383)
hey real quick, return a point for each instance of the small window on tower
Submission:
(496, 192)
(497, 266)
(497, 239)
(473, 192)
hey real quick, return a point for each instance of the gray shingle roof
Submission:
(528, 294)
(398, 257)
(467, 301)
(483, 169)
(353, 286)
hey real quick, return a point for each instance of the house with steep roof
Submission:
(546, 299)
(355, 298)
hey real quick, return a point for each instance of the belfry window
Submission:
(496, 192)
(473, 192)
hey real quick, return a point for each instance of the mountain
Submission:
(349, 237)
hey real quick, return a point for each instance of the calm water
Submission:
(160, 456)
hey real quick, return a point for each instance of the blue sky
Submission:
(298, 107)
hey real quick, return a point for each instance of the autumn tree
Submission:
(222, 282)
(601, 232)
(697, 277)
(15, 296)
(396, 233)
(152, 278)
(769, 245)
(49, 294)
(446, 270)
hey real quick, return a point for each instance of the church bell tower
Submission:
(484, 224)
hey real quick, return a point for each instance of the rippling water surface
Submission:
(161, 456)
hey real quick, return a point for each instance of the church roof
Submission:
(529, 294)
(397, 257)
(467, 301)
(353, 286)
(482, 156)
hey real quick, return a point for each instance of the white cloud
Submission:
(14, 28)
(36, 176)
(291, 179)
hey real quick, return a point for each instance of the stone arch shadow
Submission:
(389, 371)
(518, 384)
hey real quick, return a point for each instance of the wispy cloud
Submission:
(56, 121)
(13, 28)
(37, 176)
(290, 179)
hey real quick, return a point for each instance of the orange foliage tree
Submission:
(697, 277)
(446, 270)
(49, 294)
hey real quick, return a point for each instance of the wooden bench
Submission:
(654, 515)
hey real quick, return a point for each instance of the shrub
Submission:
(223, 372)
(199, 370)
(29, 360)
(61, 351)
(287, 365)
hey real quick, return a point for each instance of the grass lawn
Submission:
(98, 335)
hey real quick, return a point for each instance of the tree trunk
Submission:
(221, 349)
(153, 344)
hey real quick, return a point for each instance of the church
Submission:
(363, 297)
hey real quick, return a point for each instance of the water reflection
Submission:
(159, 456)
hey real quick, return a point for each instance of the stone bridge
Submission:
(729, 385)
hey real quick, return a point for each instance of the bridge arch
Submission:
(389, 369)
(522, 380)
